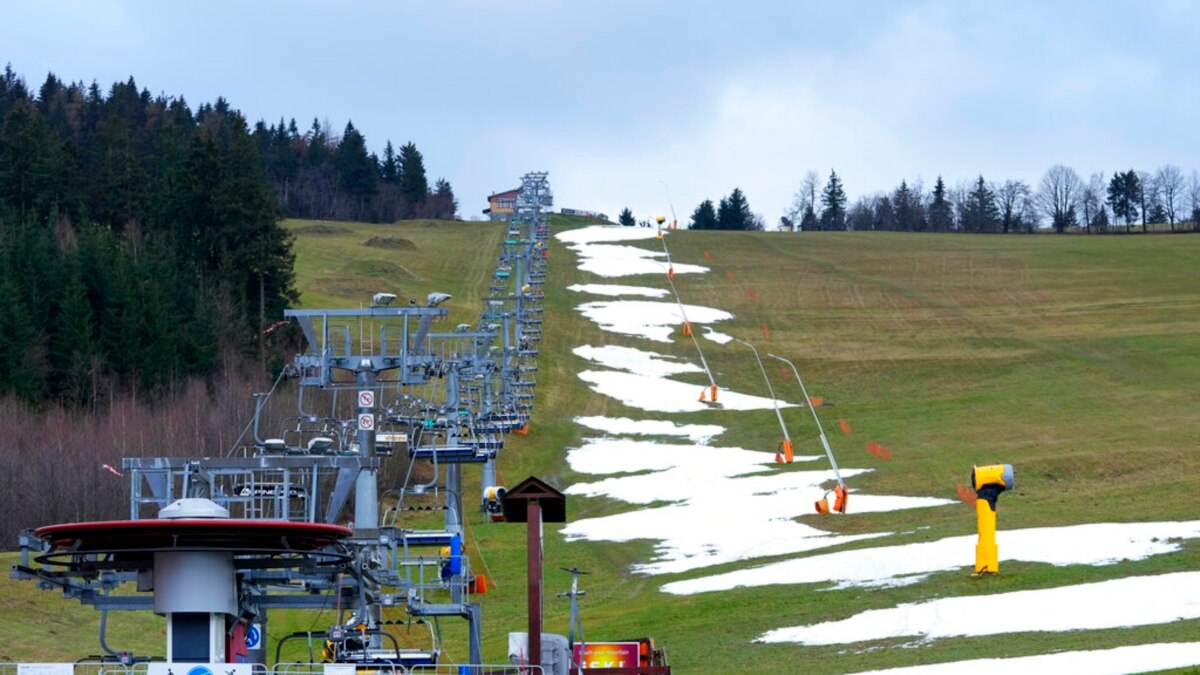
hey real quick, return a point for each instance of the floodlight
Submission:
(382, 299)
(320, 445)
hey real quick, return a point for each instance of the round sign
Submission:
(366, 399)
(253, 636)
(366, 422)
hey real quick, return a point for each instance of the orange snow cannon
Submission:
(785, 454)
(840, 496)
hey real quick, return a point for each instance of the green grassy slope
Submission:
(1074, 358)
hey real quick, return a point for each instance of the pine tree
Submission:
(705, 216)
(72, 342)
(905, 208)
(833, 199)
(981, 213)
(809, 222)
(1123, 194)
(356, 170)
(444, 204)
(26, 167)
(316, 151)
(941, 213)
(413, 185)
(389, 168)
(733, 212)
(626, 218)
(119, 189)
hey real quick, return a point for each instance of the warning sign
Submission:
(366, 398)
(366, 422)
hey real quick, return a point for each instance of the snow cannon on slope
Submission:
(989, 481)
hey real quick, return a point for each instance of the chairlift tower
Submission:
(444, 397)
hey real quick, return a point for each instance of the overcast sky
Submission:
(616, 98)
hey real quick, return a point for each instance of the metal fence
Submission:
(476, 669)
(296, 668)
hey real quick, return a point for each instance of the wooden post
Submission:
(533, 502)
(534, 545)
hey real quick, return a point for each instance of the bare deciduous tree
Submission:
(1169, 181)
(1013, 200)
(1092, 199)
(805, 199)
(1194, 189)
(1058, 195)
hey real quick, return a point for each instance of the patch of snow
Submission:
(657, 394)
(1116, 661)
(697, 433)
(651, 364)
(719, 338)
(1117, 603)
(728, 503)
(597, 233)
(647, 318)
(889, 566)
(616, 290)
(611, 260)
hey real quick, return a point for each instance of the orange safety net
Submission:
(751, 294)
(766, 332)
(671, 272)
(816, 401)
(878, 450)
(707, 255)
(843, 426)
(729, 276)
(687, 329)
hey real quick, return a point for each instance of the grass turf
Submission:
(1074, 358)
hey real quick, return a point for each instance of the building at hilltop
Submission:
(502, 205)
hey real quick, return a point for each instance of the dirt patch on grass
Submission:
(392, 243)
(323, 230)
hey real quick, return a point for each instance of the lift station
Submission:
(298, 518)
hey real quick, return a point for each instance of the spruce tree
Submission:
(72, 342)
(734, 212)
(626, 218)
(389, 168)
(413, 185)
(981, 214)
(445, 205)
(705, 216)
(833, 201)
(356, 170)
(941, 213)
